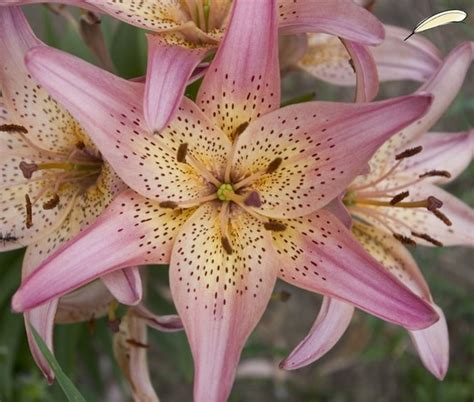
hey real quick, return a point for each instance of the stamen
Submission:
(428, 238)
(274, 226)
(239, 130)
(399, 197)
(29, 212)
(80, 145)
(168, 204)
(182, 151)
(135, 343)
(404, 239)
(409, 153)
(274, 165)
(51, 203)
(432, 173)
(13, 128)
(442, 217)
(253, 200)
(226, 244)
(28, 169)
(433, 203)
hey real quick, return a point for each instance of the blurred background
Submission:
(374, 361)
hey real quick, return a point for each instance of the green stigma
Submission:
(225, 190)
(349, 198)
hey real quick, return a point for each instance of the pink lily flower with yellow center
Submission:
(231, 194)
(185, 32)
(398, 203)
(54, 181)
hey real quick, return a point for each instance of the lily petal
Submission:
(446, 151)
(4, 118)
(130, 350)
(367, 81)
(163, 323)
(432, 343)
(219, 296)
(131, 231)
(319, 254)
(416, 59)
(230, 94)
(341, 18)
(125, 285)
(333, 319)
(171, 61)
(112, 109)
(315, 142)
(29, 105)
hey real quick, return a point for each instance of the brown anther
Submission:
(91, 18)
(399, 197)
(408, 153)
(274, 165)
(80, 145)
(13, 128)
(351, 63)
(253, 200)
(137, 344)
(439, 173)
(28, 169)
(404, 239)
(182, 151)
(240, 129)
(29, 212)
(114, 325)
(442, 217)
(52, 202)
(432, 203)
(274, 226)
(428, 238)
(226, 244)
(168, 204)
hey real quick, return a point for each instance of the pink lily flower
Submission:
(185, 32)
(53, 181)
(231, 194)
(391, 207)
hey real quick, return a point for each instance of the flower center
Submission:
(225, 192)
(374, 200)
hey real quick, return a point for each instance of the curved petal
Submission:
(163, 323)
(49, 125)
(84, 304)
(367, 81)
(76, 3)
(219, 296)
(432, 345)
(319, 254)
(444, 86)
(4, 117)
(130, 350)
(315, 142)
(341, 18)
(397, 59)
(111, 112)
(244, 78)
(131, 231)
(333, 319)
(125, 285)
(42, 319)
(441, 151)
(171, 62)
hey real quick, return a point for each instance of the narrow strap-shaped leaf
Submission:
(71, 392)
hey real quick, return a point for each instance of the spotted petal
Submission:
(112, 114)
(219, 296)
(315, 142)
(452, 152)
(341, 18)
(131, 231)
(319, 254)
(243, 81)
(432, 343)
(171, 61)
(333, 319)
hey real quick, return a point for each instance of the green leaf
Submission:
(72, 393)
